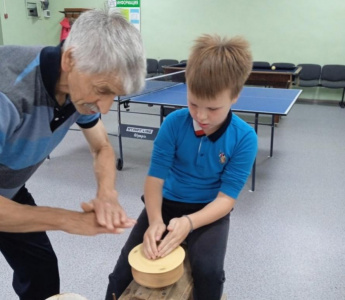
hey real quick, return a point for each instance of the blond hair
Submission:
(216, 64)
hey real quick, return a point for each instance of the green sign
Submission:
(127, 3)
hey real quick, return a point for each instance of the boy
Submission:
(201, 160)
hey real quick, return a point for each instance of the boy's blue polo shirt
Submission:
(195, 169)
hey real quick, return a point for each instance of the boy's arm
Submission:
(153, 203)
(213, 211)
(179, 228)
(153, 198)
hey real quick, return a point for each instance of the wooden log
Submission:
(181, 290)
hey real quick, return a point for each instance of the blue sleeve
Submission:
(240, 165)
(88, 121)
(9, 119)
(164, 148)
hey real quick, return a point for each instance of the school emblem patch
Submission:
(222, 158)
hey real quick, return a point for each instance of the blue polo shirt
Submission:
(195, 168)
(32, 123)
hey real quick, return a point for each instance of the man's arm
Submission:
(108, 210)
(16, 217)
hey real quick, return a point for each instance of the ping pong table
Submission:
(171, 95)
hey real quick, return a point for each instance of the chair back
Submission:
(309, 75)
(333, 76)
(261, 65)
(151, 67)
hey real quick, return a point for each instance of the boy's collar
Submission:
(197, 129)
(217, 134)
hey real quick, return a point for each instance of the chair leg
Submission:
(341, 103)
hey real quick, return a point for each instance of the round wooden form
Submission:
(67, 296)
(156, 273)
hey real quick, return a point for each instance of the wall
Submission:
(22, 30)
(296, 31)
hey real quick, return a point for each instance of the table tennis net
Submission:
(160, 82)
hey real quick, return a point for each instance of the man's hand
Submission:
(15, 217)
(85, 223)
(108, 211)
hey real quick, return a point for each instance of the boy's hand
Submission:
(178, 230)
(152, 236)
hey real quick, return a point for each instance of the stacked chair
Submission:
(152, 67)
(333, 77)
(310, 75)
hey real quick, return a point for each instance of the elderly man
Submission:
(43, 92)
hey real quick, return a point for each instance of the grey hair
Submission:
(104, 42)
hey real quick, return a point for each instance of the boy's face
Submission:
(210, 113)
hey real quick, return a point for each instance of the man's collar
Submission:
(50, 62)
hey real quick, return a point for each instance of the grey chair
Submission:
(310, 75)
(151, 67)
(261, 65)
(333, 77)
(166, 62)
